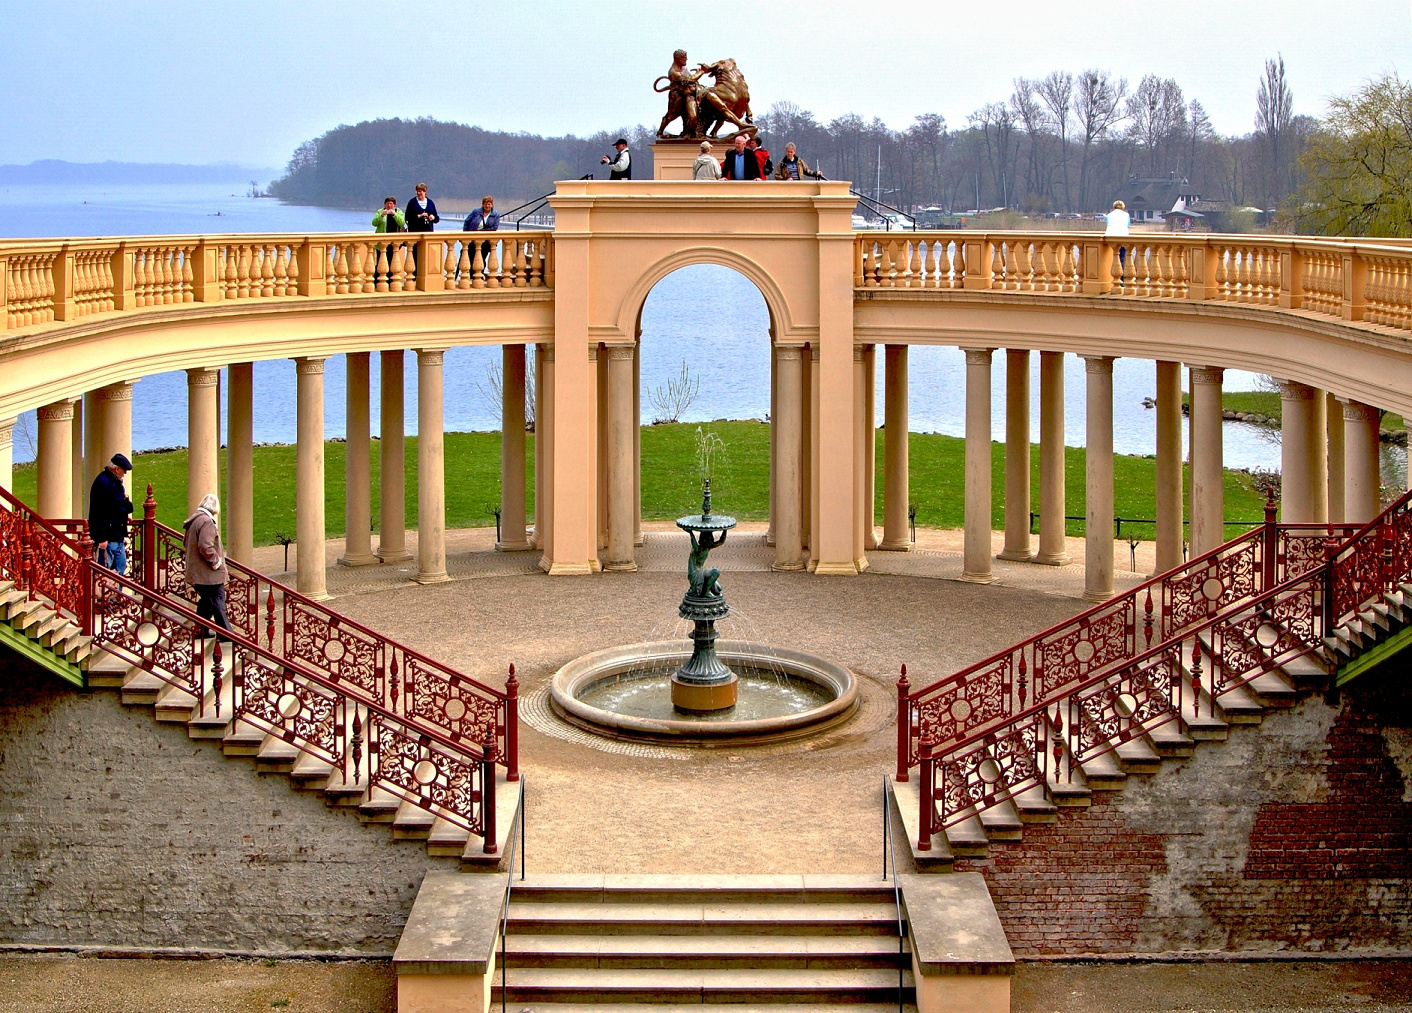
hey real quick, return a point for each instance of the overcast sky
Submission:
(214, 80)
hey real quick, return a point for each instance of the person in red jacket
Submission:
(763, 154)
(741, 163)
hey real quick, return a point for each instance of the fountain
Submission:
(709, 692)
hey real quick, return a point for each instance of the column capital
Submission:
(544, 353)
(978, 356)
(1357, 411)
(7, 432)
(814, 352)
(120, 391)
(622, 352)
(308, 366)
(1213, 375)
(1291, 390)
(858, 353)
(430, 356)
(59, 411)
(593, 352)
(1098, 363)
(202, 376)
(792, 353)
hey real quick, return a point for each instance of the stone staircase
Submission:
(56, 643)
(1377, 633)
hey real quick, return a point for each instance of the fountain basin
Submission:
(783, 694)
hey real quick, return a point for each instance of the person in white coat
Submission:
(705, 167)
(1118, 222)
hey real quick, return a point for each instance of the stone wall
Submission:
(116, 830)
(1295, 835)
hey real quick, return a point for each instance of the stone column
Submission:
(1053, 550)
(1333, 407)
(512, 449)
(538, 530)
(1017, 455)
(1207, 461)
(1169, 465)
(7, 454)
(240, 464)
(309, 479)
(1361, 473)
(1098, 475)
(1300, 449)
(55, 460)
(392, 468)
(976, 566)
(203, 413)
(115, 404)
(620, 459)
(786, 426)
(774, 441)
(1319, 456)
(896, 536)
(77, 501)
(357, 464)
(812, 434)
(431, 469)
(544, 435)
(637, 441)
(93, 443)
(598, 372)
(862, 430)
(870, 413)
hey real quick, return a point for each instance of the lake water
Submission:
(710, 317)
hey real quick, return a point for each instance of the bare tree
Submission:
(996, 123)
(1057, 93)
(1097, 106)
(671, 400)
(1274, 108)
(492, 395)
(1200, 134)
(1157, 111)
(1029, 110)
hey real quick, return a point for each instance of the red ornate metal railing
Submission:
(368, 665)
(994, 730)
(413, 743)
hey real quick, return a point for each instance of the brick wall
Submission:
(116, 830)
(1293, 835)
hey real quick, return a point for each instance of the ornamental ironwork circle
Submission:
(960, 709)
(1212, 587)
(454, 709)
(334, 651)
(988, 770)
(1083, 651)
(424, 772)
(288, 705)
(1125, 704)
(1267, 635)
(148, 634)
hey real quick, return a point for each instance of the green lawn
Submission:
(670, 487)
(1267, 403)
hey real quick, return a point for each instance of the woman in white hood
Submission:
(206, 561)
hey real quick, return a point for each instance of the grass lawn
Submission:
(670, 487)
(1267, 403)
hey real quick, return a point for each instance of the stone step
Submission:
(412, 823)
(141, 689)
(212, 721)
(28, 620)
(1002, 823)
(764, 918)
(745, 1007)
(1169, 741)
(1239, 706)
(242, 739)
(1137, 756)
(1067, 791)
(703, 952)
(276, 756)
(1103, 773)
(1034, 806)
(105, 670)
(660, 986)
(310, 773)
(640, 888)
(174, 705)
(446, 840)
(18, 606)
(967, 838)
(340, 792)
(1272, 691)
(378, 806)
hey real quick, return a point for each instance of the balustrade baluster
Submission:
(267, 271)
(1223, 273)
(339, 255)
(477, 266)
(395, 268)
(363, 268)
(171, 277)
(885, 275)
(463, 266)
(537, 263)
(282, 286)
(187, 291)
(520, 267)
(914, 266)
(492, 266)
(1051, 266)
(870, 263)
(244, 267)
(997, 265)
(1067, 280)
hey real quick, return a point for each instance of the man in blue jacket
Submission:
(421, 216)
(108, 510)
(483, 219)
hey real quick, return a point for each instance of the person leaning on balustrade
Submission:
(483, 219)
(1118, 222)
(389, 219)
(705, 167)
(206, 562)
(108, 510)
(792, 166)
(421, 213)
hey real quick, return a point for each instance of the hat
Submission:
(122, 462)
(621, 140)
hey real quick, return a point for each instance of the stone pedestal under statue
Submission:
(673, 159)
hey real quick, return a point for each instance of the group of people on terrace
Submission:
(748, 160)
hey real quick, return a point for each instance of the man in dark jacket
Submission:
(741, 163)
(484, 219)
(421, 213)
(108, 510)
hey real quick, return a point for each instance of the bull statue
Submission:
(704, 110)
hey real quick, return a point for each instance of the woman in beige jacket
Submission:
(206, 562)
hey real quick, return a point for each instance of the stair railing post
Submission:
(925, 795)
(85, 591)
(487, 794)
(1330, 553)
(149, 541)
(512, 727)
(1271, 544)
(26, 553)
(904, 721)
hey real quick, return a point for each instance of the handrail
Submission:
(890, 850)
(874, 204)
(510, 882)
(368, 665)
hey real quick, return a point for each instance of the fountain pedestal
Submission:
(704, 683)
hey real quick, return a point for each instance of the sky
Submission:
(201, 81)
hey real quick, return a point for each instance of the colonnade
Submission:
(1330, 458)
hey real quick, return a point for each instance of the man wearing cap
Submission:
(620, 165)
(108, 510)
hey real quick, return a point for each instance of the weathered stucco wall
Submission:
(1295, 835)
(116, 830)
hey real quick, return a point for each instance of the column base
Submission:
(812, 565)
(844, 569)
(1052, 559)
(977, 578)
(358, 559)
(625, 566)
(569, 569)
(1097, 596)
(902, 546)
(431, 578)
(637, 540)
(545, 563)
(779, 567)
(1016, 557)
(319, 595)
(393, 555)
(861, 563)
(520, 546)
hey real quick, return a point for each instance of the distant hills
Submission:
(52, 170)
